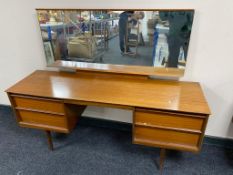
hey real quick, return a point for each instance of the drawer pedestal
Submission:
(46, 114)
(168, 130)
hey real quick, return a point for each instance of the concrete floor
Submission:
(113, 55)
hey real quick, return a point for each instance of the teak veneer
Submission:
(167, 114)
(142, 71)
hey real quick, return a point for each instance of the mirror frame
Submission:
(157, 72)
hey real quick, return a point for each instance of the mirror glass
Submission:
(158, 38)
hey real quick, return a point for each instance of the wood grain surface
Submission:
(120, 69)
(108, 89)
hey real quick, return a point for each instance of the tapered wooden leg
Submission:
(162, 159)
(50, 142)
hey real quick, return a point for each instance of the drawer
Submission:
(171, 120)
(39, 119)
(39, 104)
(166, 138)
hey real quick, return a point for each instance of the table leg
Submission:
(162, 159)
(50, 142)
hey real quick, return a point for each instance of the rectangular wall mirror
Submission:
(156, 38)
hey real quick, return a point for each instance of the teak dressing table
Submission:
(167, 114)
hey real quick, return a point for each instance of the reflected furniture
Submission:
(167, 114)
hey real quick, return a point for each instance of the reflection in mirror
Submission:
(158, 38)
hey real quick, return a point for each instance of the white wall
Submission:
(210, 59)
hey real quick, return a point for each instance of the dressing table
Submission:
(168, 114)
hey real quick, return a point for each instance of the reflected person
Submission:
(123, 23)
(180, 24)
(127, 17)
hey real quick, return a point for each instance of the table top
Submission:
(115, 90)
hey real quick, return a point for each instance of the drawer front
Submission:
(38, 118)
(171, 120)
(39, 104)
(166, 138)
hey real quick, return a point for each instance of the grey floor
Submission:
(113, 55)
(97, 151)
